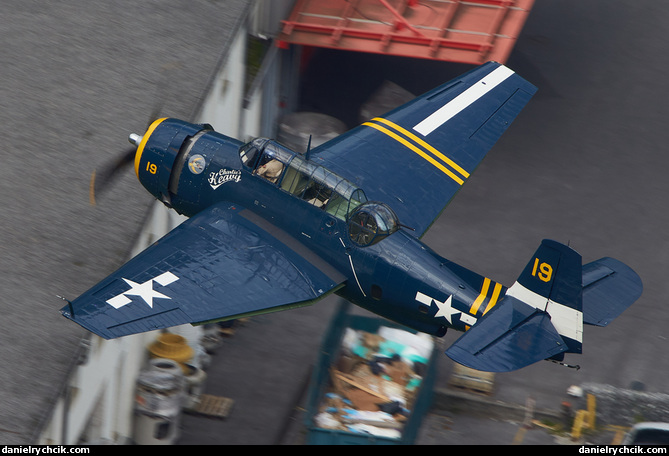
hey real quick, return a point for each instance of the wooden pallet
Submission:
(213, 406)
(471, 380)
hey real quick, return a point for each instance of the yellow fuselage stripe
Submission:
(494, 298)
(479, 300)
(145, 138)
(416, 150)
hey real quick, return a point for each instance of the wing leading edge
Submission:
(221, 263)
(416, 157)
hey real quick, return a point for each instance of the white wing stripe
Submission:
(462, 101)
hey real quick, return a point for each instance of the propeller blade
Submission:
(100, 181)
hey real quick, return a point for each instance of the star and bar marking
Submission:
(445, 309)
(143, 290)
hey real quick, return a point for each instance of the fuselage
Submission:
(389, 271)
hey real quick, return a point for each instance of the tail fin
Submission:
(552, 282)
(540, 316)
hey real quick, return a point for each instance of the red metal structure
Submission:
(472, 31)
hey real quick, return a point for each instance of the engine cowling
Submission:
(157, 153)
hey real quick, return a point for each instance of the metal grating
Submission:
(460, 31)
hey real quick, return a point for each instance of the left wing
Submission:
(418, 156)
(222, 263)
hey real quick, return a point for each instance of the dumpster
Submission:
(372, 384)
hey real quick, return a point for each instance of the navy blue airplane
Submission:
(270, 229)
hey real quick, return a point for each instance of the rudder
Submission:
(552, 282)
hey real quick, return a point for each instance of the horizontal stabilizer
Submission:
(510, 337)
(609, 287)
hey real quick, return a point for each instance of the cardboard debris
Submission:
(374, 381)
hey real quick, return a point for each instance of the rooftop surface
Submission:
(76, 79)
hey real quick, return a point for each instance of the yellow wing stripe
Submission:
(427, 146)
(412, 147)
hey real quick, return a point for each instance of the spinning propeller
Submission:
(101, 181)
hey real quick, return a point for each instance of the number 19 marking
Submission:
(543, 271)
(151, 167)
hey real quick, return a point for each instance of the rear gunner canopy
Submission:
(371, 222)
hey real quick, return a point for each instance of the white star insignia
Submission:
(445, 309)
(143, 290)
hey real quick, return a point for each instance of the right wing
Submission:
(417, 157)
(222, 263)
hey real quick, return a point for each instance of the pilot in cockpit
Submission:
(270, 168)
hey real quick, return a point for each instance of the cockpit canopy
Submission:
(302, 178)
(368, 221)
(371, 222)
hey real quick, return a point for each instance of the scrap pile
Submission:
(374, 382)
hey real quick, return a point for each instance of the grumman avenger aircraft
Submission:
(271, 229)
